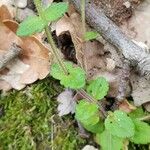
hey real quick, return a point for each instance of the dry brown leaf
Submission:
(4, 13)
(10, 9)
(126, 106)
(32, 63)
(90, 55)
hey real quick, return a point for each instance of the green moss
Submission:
(26, 123)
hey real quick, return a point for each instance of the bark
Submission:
(111, 32)
(10, 54)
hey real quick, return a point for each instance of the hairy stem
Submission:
(50, 38)
(55, 50)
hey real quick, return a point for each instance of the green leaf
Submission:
(31, 25)
(90, 36)
(55, 11)
(87, 113)
(96, 128)
(109, 142)
(142, 132)
(119, 124)
(98, 88)
(74, 80)
(138, 113)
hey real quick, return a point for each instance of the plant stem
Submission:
(145, 118)
(83, 16)
(50, 38)
(55, 50)
(91, 99)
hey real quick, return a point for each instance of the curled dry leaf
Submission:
(33, 61)
(66, 103)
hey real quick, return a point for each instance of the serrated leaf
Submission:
(87, 113)
(96, 128)
(98, 88)
(137, 113)
(142, 132)
(31, 25)
(74, 80)
(109, 142)
(119, 124)
(90, 36)
(55, 11)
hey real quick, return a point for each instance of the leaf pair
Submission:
(118, 127)
(98, 88)
(34, 24)
(87, 113)
(75, 78)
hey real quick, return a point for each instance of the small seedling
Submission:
(117, 127)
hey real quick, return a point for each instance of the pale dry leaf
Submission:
(140, 89)
(89, 147)
(16, 69)
(34, 55)
(137, 27)
(4, 85)
(66, 103)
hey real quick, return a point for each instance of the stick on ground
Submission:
(112, 33)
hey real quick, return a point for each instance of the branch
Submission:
(111, 32)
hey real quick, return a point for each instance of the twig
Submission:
(10, 54)
(111, 32)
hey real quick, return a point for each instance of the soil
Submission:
(118, 10)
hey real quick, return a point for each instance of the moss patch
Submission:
(27, 120)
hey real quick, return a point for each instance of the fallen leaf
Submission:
(16, 69)
(137, 27)
(66, 103)
(4, 13)
(34, 55)
(126, 106)
(140, 89)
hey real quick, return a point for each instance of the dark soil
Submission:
(116, 9)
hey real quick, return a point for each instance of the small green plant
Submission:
(117, 127)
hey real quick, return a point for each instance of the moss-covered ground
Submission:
(29, 120)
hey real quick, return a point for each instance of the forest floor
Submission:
(29, 115)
